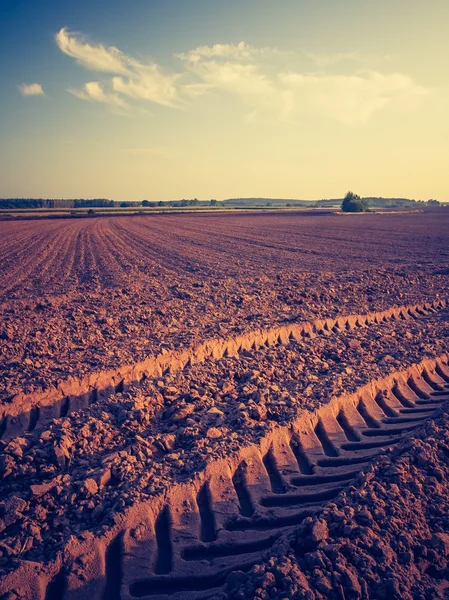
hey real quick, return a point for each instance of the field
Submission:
(221, 405)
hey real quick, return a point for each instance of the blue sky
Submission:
(169, 99)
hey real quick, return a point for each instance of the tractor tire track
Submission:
(193, 535)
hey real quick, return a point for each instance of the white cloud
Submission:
(132, 78)
(240, 51)
(195, 90)
(246, 72)
(94, 91)
(149, 83)
(31, 89)
(350, 99)
(256, 89)
(324, 60)
(241, 79)
(95, 57)
(257, 76)
(329, 59)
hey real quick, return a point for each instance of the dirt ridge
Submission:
(22, 412)
(184, 542)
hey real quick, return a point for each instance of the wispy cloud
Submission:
(329, 59)
(93, 90)
(240, 51)
(236, 69)
(149, 83)
(259, 77)
(132, 78)
(95, 57)
(31, 89)
(241, 79)
(350, 99)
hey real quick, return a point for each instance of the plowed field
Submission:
(189, 402)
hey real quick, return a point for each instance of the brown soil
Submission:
(384, 537)
(81, 296)
(185, 397)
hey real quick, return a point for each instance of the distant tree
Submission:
(146, 203)
(268, 204)
(288, 204)
(160, 203)
(353, 203)
(213, 202)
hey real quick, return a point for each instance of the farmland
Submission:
(194, 405)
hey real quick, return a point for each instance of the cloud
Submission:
(256, 89)
(350, 99)
(329, 59)
(232, 69)
(132, 78)
(259, 81)
(149, 83)
(31, 89)
(94, 91)
(240, 51)
(287, 96)
(324, 60)
(241, 79)
(260, 78)
(94, 57)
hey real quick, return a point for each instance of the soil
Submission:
(384, 537)
(80, 296)
(229, 406)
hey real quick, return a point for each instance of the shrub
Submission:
(353, 203)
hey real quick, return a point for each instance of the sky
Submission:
(169, 99)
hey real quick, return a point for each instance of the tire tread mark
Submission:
(304, 464)
(245, 501)
(208, 530)
(325, 441)
(277, 484)
(164, 558)
(114, 569)
(349, 431)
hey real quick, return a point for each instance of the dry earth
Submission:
(221, 406)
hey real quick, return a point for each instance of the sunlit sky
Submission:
(166, 99)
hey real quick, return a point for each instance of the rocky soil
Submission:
(76, 473)
(82, 296)
(85, 295)
(387, 536)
